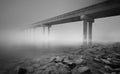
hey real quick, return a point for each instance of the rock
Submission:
(22, 71)
(30, 69)
(84, 70)
(81, 70)
(56, 59)
(56, 68)
(106, 61)
(113, 73)
(52, 59)
(79, 61)
(50, 70)
(62, 68)
(59, 59)
(67, 61)
(118, 56)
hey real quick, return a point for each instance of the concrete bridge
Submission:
(87, 15)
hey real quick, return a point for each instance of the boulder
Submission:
(81, 70)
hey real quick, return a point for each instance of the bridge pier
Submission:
(90, 33)
(46, 37)
(44, 42)
(85, 32)
(87, 29)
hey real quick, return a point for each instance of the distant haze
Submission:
(17, 15)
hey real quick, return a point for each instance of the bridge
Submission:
(87, 15)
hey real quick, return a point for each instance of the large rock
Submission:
(81, 70)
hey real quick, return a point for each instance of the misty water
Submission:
(30, 59)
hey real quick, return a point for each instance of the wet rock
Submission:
(111, 63)
(54, 68)
(81, 70)
(52, 59)
(30, 69)
(79, 61)
(62, 65)
(67, 60)
(70, 61)
(105, 61)
(22, 71)
(84, 70)
(63, 69)
(56, 59)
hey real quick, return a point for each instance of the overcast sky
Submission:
(19, 14)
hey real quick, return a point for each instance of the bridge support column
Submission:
(44, 42)
(90, 33)
(84, 32)
(87, 29)
(46, 37)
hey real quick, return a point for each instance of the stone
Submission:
(52, 59)
(56, 68)
(84, 70)
(79, 61)
(67, 61)
(59, 59)
(56, 59)
(106, 61)
(22, 71)
(81, 70)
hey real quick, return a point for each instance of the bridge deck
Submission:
(104, 9)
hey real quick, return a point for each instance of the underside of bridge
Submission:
(87, 15)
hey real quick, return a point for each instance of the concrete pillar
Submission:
(43, 31)
(44, 38)
(84, 32)
(49, 31)
(90, 33)
(87, 29)
(48, 36)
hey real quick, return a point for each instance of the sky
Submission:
(17, 15)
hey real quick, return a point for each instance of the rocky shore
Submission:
(95, 59)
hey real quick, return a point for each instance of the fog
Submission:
(17, 15)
